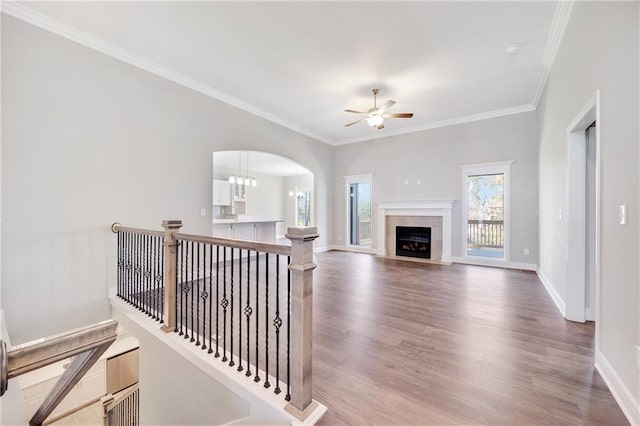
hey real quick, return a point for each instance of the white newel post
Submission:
(301, 267)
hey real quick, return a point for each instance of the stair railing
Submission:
(85, 345)
(123, 409)
(248, 303)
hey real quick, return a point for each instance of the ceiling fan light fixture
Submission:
(375, 120)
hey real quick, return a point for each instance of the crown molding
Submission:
(26, 14)
(444, 123)
(558, 26)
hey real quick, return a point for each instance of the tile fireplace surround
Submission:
(435, 214)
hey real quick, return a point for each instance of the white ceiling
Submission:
(258, 162)
(302, 63)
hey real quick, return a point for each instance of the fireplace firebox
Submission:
(413, 241)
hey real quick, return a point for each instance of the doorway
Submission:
(359, 203)
(583, 206)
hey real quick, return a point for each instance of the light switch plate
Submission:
(203, 211)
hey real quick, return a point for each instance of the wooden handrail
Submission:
(111, 401)
(241, 244)
(85, 344)
(116, 227)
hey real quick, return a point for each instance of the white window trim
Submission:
(486, 168)
(348, 180)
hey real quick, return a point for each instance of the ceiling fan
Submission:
(375, 116)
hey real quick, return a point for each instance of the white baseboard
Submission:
(494, 263)
(629, 406)
(562, 307)
(352, 249)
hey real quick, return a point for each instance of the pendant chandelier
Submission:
(243, 179)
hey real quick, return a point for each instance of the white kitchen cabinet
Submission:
(221, 193)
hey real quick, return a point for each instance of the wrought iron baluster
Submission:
(120, 264)
(192, 290)
(163, 284)
(224, 304)
(248, 311)
(240, 310)
(277, 323)
(128, 268)
(204, 296)
(184, 290)
(153, 251)
(197, 295)
(147, 274)
(257, 377)
(288, 395)
(217, 354)
(139, 273)
(231, 363)
(266, 322)
(210, 296)
(134, 260)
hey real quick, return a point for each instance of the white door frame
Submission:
(497, 167)
(576, 216)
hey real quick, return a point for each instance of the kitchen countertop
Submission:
(240, 221)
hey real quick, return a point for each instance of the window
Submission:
(485, 210)
(303, 208)
(358, 190)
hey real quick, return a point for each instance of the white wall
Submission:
(12, 407)
(434, 156)
(599, 51)
(89, 140)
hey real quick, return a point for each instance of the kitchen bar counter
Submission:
(228, 221)
(246, 229)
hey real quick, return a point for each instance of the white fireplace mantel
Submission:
(433, 207)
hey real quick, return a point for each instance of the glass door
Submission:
(485, 215)
(359, 217)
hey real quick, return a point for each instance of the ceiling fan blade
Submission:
(380, 126)
(386, 106)
(355, 122)
(398, 115)
(353, 111)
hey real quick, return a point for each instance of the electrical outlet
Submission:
(623, 215)
(526, 252)
(638, 357)
(203, 212)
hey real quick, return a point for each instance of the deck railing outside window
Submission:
(485, 238)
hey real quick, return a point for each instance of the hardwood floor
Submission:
(399, 342)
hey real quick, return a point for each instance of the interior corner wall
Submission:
(599, 51)
(435, 156)
(89, 140)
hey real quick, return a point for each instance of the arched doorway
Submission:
(263, 189)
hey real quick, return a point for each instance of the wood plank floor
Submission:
(399, 342)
